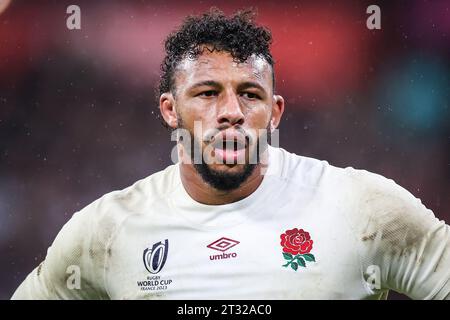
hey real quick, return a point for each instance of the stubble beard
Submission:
(220, 179)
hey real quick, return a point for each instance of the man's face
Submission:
(233, 104)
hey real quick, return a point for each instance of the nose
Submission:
(229, 110)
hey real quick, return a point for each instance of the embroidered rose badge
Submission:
(297, 245)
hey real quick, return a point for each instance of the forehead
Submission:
(220, 66)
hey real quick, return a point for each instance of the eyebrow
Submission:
(251, 84)
(209, 83)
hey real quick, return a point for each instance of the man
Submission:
(236, 218)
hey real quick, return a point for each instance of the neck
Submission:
(202, 192)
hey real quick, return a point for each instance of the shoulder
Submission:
(355, 185)
(350, 183)
(104, 215)
(386, 211)
(139, 195)
(373, 204)
(376, 192)
(299, 170)
(361, 184)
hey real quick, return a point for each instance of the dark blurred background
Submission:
(78, 116)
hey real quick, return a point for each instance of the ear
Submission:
(277, 111)
(167, 108)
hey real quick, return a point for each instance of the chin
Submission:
(227, 168)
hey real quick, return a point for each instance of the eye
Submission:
(251, 95)
(209, 93)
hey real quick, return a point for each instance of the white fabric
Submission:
(364, 228)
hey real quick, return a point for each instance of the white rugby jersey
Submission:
(310, 231)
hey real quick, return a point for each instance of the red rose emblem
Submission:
(296, 241)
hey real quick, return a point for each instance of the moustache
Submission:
(238, 137)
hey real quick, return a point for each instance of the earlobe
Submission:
(167, 109)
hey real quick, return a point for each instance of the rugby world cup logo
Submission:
(155, 257)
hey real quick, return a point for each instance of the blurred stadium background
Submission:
(78, 116)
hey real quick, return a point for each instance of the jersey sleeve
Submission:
(403, 246)
(74, 265)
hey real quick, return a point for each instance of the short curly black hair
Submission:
(238, 35)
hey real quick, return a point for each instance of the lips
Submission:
(231, 144)
(229, 147)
